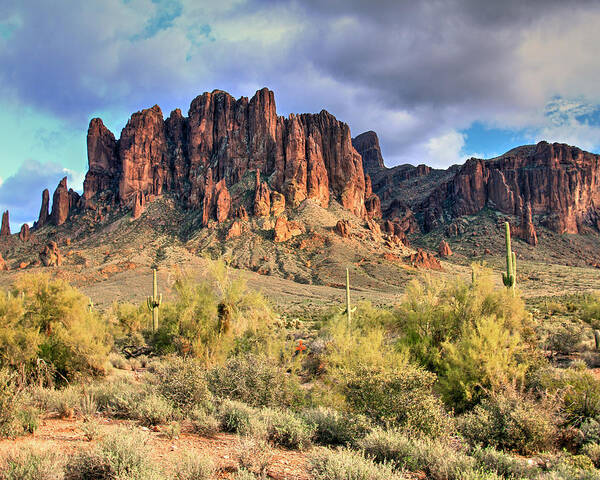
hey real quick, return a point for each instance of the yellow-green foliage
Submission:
(208, 317)
(365, 342)
(50, 320)
(129, 318)
(473, 335)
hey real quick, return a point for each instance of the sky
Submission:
(438, 80)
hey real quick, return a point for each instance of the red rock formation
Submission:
(50, 256)
(25, 234)
(423, 259)
(216, 204)
(367, 145)
(343, 228)
(62, 203)
(304, 156)
(241, 213)
(222, 201)
(5, 229)
(3, 264)
(262, 197)
(235, 230)
(104, 166)
(561, 184)
(444, 249)
(372, 202)
(44, 210)
(373, 226)
(526, 230)
(285, 229)
(139, 203)
(277, 204)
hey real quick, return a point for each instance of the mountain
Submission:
(297, 200)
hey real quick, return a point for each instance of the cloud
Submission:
(412, 71)
(21, 193)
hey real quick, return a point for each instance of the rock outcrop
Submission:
(367, 144)
(25, 233)
(50, 256)
(63, 201)
(3, 264)
(277, 204)
(526, 229)
(44, 215)
(308, 156)
(444, 249)
(343, 228)
(139, 203)
(262, 197)
(286, 229)
(5, 229)
(235, 230)
(423, 259)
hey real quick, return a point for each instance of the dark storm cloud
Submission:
(417, 72)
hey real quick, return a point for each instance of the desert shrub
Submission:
(183, 382)
(402, 397)
(13, 412)
(193, 466)
(336, 428)
(243, 474)
(154, 410)
(202, 422)
(118, 398)
(253, 455)
(90, 428)
(207, 317)
(255, 380)
(362, 343)
(237, 417)
(438, 459)
(504, 464)
(486, 357)
(30, 464)
(287, 430)
(592, 450)
(577, 389)
(130, 319)
(473, 335)
(564, 338)
(122, 454)
(510, 421)
(590, 429)
(29, 418)
(19, 338)
(173, 430)
(73, 339)
(347, 464)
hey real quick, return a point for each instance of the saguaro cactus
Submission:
(510, 277)
(154, 301)
(349, 310)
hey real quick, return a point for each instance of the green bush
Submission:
(193, 466)
(255, 380)
(122, 454)
(336, 428)
(154, 410)
(504, 464)
(208, 317)
(237, 417)
(183, 382)
(439, 460)
(510, 421)
(119, 398)
(30, 464)
(592, 450)
(15, 417)
(202, 422)
(54, 324)
(287, 430)
(346, 464)
(402, 397)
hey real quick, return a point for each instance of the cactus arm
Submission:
(510, 277)
(155, 301)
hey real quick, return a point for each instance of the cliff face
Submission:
(559, 184)
(198, 157)
(555, 185)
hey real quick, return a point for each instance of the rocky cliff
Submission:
(554, 185)
(199, 157)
